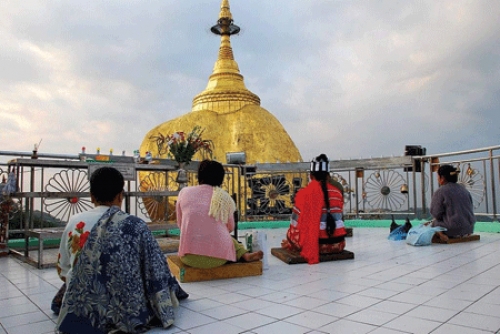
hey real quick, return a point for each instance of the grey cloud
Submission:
(370, 77)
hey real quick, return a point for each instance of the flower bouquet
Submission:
(182, 147)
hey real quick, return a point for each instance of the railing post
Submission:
(432, 168)
(414, 182)
(493, 190)
(485, 188)
(422, 187)
(236, 216)
(127, 198)
(359, 174)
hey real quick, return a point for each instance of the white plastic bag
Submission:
(421, 235)
(257, 241)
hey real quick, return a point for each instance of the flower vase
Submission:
(182, 175)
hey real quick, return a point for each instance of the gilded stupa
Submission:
(229, 113)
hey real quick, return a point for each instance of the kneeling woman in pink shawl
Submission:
(205, 218)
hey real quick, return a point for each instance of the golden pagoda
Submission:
(229, 113)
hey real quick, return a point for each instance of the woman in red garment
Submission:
(316, 225)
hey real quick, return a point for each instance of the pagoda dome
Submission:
(229, 114)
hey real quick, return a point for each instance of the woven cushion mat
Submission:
(187, 274)
(472, 237)
(293, 257)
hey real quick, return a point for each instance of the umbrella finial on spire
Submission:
(225, 24)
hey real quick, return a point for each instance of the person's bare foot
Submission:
(443, 237)
(252, 257)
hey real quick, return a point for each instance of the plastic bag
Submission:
(421, 235)
(11, 185)
(257, 241)
(399, 232)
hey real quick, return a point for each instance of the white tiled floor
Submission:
(389, 287)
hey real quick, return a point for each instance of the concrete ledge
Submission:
(187, 274)
(168, 244)
(294, 258)
(472, 237)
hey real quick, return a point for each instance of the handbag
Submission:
(421, 235)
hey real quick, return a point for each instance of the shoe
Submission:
(57, 300)
(181, 294)
(55, 308)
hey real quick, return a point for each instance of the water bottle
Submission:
(137, 156)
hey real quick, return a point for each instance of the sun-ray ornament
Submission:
(382, 191)
(67, 181)
(473, 181)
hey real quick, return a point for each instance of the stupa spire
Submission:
(225, 12)
(226, 91)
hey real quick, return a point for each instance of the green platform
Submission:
(488, 227)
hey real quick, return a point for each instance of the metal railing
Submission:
(53, 187)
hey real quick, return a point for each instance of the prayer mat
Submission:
(472, 237)
(185, 274)
(293, 257)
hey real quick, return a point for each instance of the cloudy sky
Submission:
(348, 78)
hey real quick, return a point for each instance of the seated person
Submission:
(316, 223)
(117, 277)
(451, 205)
(205, 216)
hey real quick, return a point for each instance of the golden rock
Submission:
(229, 113)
